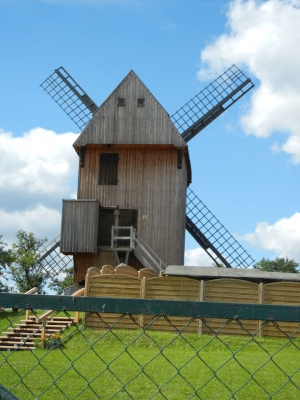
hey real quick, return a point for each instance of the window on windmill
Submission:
(108, 169)
(121, 101)
(141, 102)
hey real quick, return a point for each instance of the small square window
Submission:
(121, 101)
(141, 102)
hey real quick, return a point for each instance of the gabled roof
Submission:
(130, 124)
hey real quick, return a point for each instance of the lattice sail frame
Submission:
(218, 243)
(212, 101)
(52, 261)
(66, 92)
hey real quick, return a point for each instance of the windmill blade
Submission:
(211, 102)
(52, 261)
(66, 92)
(212, 236)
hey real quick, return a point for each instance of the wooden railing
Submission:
(147, 256)
(131, 241)
(44, 317)
(78, 293)
(31, 291)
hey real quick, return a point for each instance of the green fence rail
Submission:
(145, 362)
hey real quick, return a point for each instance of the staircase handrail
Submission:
(160, 265)
(46, 314)
(135, 241)
(43, 318)
(79, 292)
(30, 291)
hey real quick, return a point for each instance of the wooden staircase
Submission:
(23, 336)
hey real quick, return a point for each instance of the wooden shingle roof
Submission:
(131, 123)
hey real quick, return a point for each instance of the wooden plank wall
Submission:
(129, 123)
(285, 294)
(112, 283)
(171, 288)
(149, 182)
(230, 291)
(79, 226)
(82, 262)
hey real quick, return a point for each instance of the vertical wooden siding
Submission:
(130, 124)
(82, 262)
(79, 226)
(149, 181)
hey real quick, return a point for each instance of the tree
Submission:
(4, 262)
(219, 265)
(277, 265)
(24, 267)
(60, 286)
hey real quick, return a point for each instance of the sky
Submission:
(245, 165)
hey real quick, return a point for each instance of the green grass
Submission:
(9, 318)
(125, 364)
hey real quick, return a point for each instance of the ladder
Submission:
(124, 239)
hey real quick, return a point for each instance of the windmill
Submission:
(188, 121)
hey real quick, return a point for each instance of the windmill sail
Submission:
(189, 120)
(66, 92)
(212, 236)
(52, 261)
(211, 102)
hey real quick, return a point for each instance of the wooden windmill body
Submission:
(134, 172)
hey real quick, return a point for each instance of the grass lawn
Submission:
(125, 364)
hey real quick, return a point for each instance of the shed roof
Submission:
(237, 273)
(114, 124)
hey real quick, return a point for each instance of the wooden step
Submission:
(8, 338)
(22, 326)
(51, 328)
(23, 333)
(49, 321)
(16, 347)
(61, 319)
(16, 343)
(22, 336)
(29, 321)
(38, 327)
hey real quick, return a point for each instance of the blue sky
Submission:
(245, 165)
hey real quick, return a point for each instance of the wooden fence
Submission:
(125, 282)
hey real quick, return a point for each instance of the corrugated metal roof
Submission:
(237, 273)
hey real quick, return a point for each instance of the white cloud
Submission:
(197, 258)
(42, 221)
(283, 237)
(40, 161)
(263, 37)
(38, 170)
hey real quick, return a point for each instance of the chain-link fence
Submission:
(58, 357)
